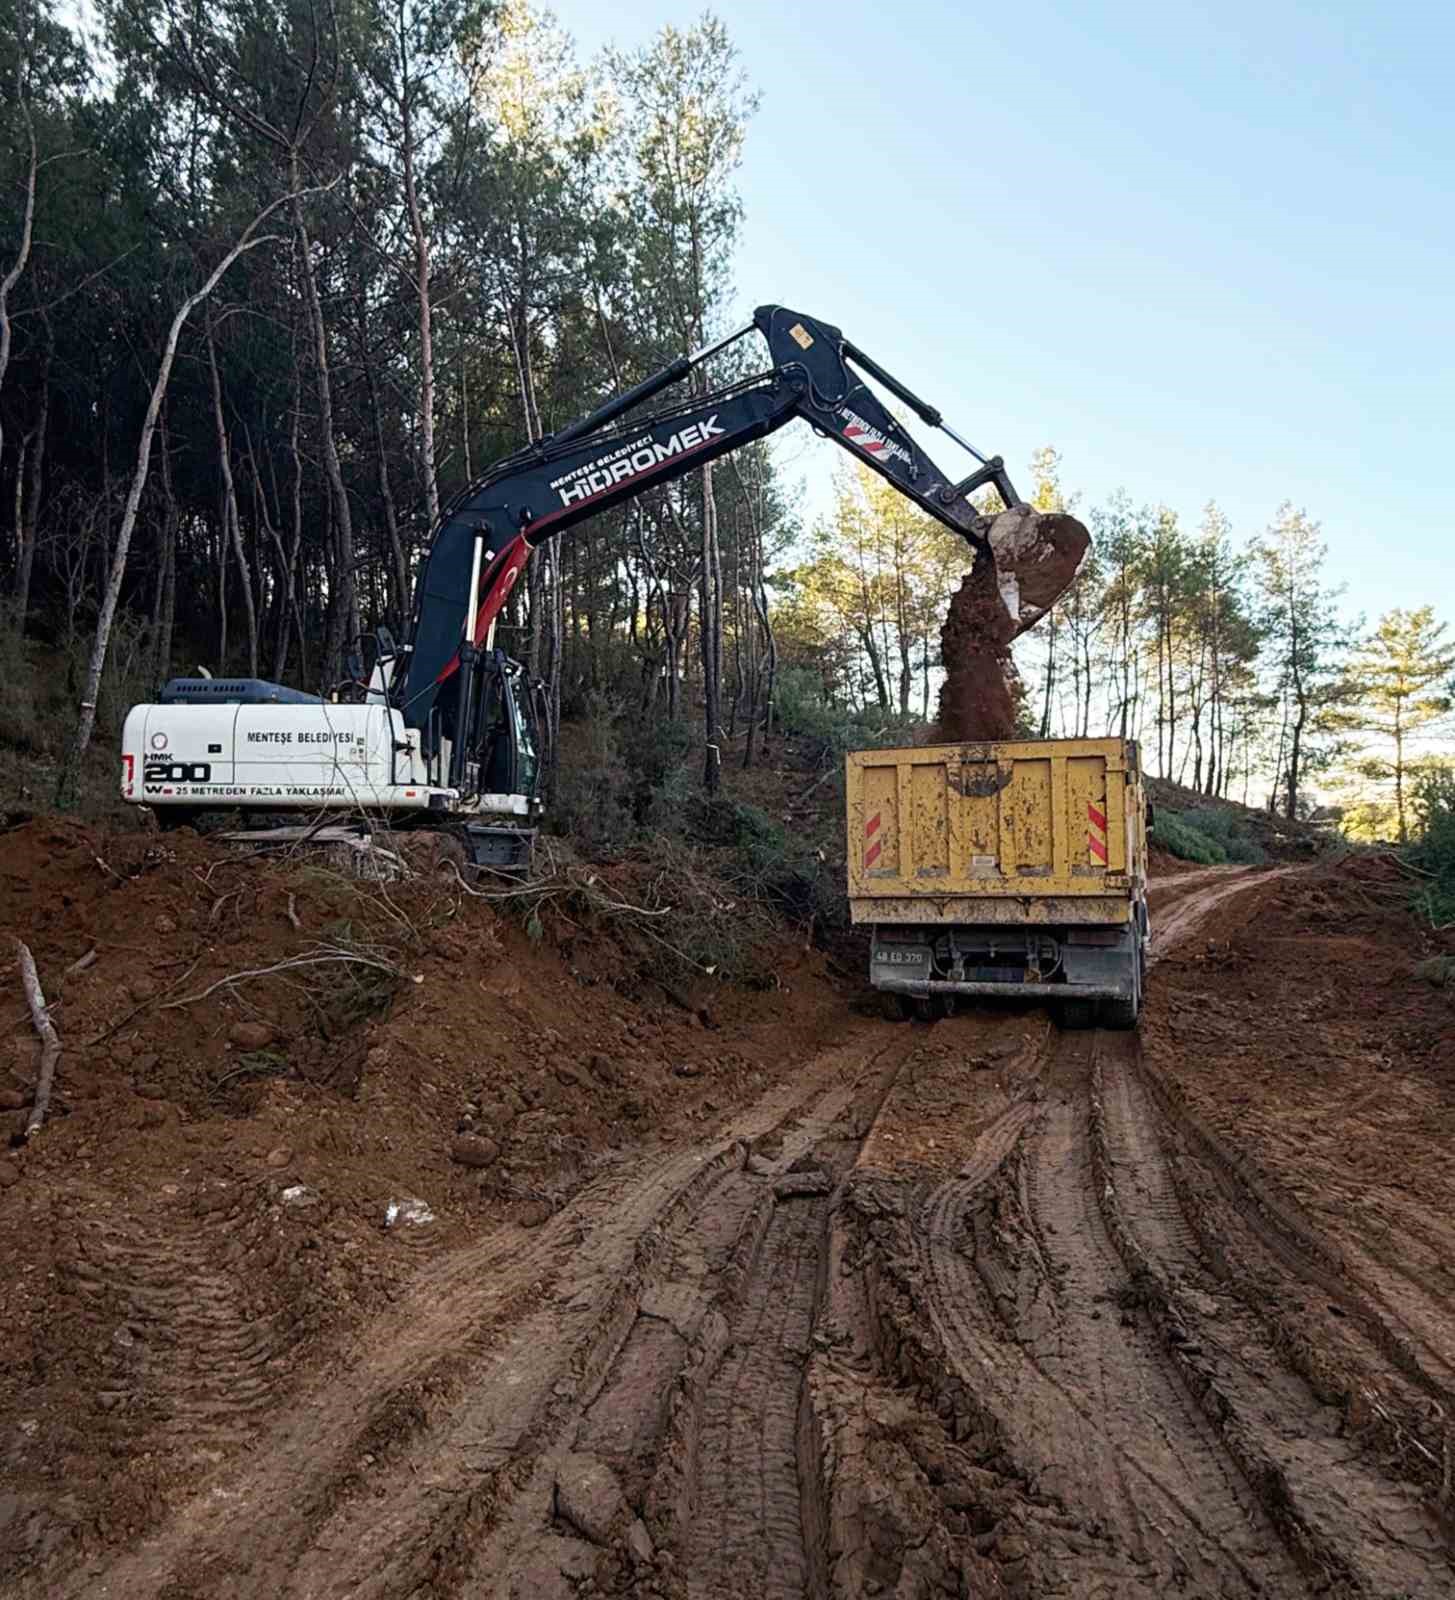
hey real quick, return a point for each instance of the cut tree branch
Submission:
(50, 1040)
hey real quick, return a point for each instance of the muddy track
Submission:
(1179, 904)
(1080, 1297)
(1036, 1309)
(1095, 1353)
(1338, 1507)
(499, 1433)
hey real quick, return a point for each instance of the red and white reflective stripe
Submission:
(872, 851)
(128, 773)
(865, 441)
(1096, 835)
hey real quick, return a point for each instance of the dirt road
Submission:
(972, 1308)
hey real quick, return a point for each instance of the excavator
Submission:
(446, 730)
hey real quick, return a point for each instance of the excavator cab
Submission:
(507, 759)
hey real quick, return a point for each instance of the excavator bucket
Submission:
(1037, 556)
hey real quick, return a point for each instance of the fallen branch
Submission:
(253, 1069)
(136, 1011)
(324, 956)
(293, 913)
(50, 1041)
(79, 966)
(107, 867)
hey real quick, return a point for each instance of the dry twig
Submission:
(323, 955)
(50, 1041)
(79, 966)
(136, 1011)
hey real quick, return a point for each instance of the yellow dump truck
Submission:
(1013, 868)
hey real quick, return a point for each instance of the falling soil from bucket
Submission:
(1032, 559)
(976, 701)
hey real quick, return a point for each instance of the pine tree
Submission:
(1308, 645)
(1402, 693)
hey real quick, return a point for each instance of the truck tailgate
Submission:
(1037, 820)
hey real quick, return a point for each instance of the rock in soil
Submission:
(588, 1496)
(471, 1150)
(813, 1181)
(249, 1035)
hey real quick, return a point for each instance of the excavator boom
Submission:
(487, 534)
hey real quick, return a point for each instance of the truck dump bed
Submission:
(1022, 832)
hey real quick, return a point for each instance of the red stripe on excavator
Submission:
(871, 855)
(873, 447)
(1098, 849)
(1096, 817)
(517, 553)
(871, 827)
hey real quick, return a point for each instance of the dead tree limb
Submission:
(50, 1040)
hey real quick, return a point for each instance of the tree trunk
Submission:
(232, 524)
(1404, 832)
(27, 227)
(68, 780)
(1052, 631)
(31, 466)
(710, 590)
(164, 601)
(399, 570)
(421, 282)
(342, 626)
(1295, 751)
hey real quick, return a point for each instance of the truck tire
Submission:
(895, 1007)
(1120, 1015)
(1074, 1014)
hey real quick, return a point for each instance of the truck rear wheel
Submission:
(1118, 1014)
(1073, 1014)
(895, 1007)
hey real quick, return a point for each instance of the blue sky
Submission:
(1205, 251)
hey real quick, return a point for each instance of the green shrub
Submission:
(1434, 849)
(803, 711)
(1185, 840)
(1230, 830)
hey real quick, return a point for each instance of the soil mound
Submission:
(256, 1134)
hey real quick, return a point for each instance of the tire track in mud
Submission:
(1083, 1393)
(1347, 1520)
(1058, 1348)
(1193, 895)
(456, 1452)
(1382, 1313)
(682, 1466)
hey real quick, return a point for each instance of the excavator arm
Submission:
(488, 532)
